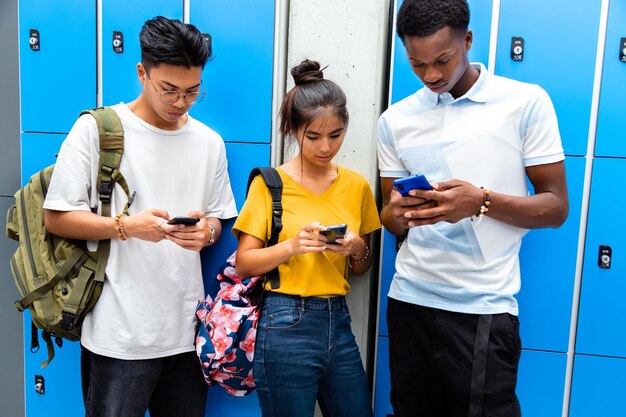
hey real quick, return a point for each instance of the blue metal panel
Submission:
(382, 403)
(119, 79)
(610, 136)
(387, 270)
(602, 307)
(552, 59)
(548, 266)
(242, 157)
(405, 82)
(59, 80)
(38, 151)
(598, 387)
(62, 376)
(238, 80)
(541, 383)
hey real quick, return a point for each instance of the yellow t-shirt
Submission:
(348, 200)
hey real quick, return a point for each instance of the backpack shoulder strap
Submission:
(275, 185)
(111, 139)
(111, 135)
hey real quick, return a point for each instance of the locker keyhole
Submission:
(34, 40)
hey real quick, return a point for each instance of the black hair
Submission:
(424, 17)
(169, 41)
(311, 95)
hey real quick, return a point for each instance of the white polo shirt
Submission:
(440, 265)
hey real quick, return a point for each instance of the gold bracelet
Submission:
(119, 227)
(484, 208)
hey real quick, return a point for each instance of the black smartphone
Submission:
(184, 220)
(334, 232)
(406, 184)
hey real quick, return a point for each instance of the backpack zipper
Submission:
(29, 249)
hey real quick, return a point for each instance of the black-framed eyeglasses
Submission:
(172, 96)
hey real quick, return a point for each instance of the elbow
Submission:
(49, 222)
(558, 216)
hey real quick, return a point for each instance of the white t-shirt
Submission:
(437, 265)
(148, 301)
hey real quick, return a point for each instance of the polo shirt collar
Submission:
(478, 93)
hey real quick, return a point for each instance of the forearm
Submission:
(260, 261)
(532, 212)
(394, 224)
(80, 225)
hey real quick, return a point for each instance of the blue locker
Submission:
(598, 387)
(242, 157)
(405, 82)
(602, 308)
(382, 404)
(567, 73)
(62, 376)
(541, 382)
(238, 80)
(58, 80)
(548, 267)
(387, 270)
(610, 137)
(119, 73)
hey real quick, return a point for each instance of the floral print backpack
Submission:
(227, 318)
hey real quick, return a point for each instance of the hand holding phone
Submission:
(334, 232)
(184, 220)
(406, 184)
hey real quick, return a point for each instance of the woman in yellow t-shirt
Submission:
(305, 350)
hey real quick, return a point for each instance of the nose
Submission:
(432, 75)
(325, 145)
(181, 101)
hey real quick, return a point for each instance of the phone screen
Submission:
(334, 232)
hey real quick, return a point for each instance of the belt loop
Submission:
(302, 304)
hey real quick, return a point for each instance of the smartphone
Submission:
(334, 232)
(406, 184)
(184, 220)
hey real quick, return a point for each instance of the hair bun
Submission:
(307, 72)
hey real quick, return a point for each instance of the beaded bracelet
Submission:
(119, 227)
(367, 254)
(484, 208)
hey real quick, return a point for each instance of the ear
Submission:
(469, 37)
(141, 72)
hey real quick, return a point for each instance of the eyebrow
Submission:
(313, 132)
(175, 87)
(444, 55)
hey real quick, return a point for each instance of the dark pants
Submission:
(431, 359)
(172, 386)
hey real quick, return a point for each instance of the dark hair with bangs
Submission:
(169, 41)
(311, 95)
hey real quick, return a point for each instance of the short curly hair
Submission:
(424, 17)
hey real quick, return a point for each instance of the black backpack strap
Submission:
(275, 185)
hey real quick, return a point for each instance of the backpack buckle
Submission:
(106, 188)
(277, 208)
(67, 321)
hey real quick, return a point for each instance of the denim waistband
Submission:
(313, 303)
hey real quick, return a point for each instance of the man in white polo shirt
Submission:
(453, 330)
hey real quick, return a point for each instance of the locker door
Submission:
(62, 376)
(238, 80)
(405, 82)
(541, 382)
(548, 266)
(58, 78)
(610, 136)
(242, 157)
(598, 386)
(602, 307)
(126, 17)
(560, 43)
(382, 404)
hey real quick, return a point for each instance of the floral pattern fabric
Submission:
(226, 332)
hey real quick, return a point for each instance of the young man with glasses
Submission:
(138, 342)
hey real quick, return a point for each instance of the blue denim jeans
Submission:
(305, 350)
(172, 386)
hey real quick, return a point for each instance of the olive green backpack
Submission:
(59, 279)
